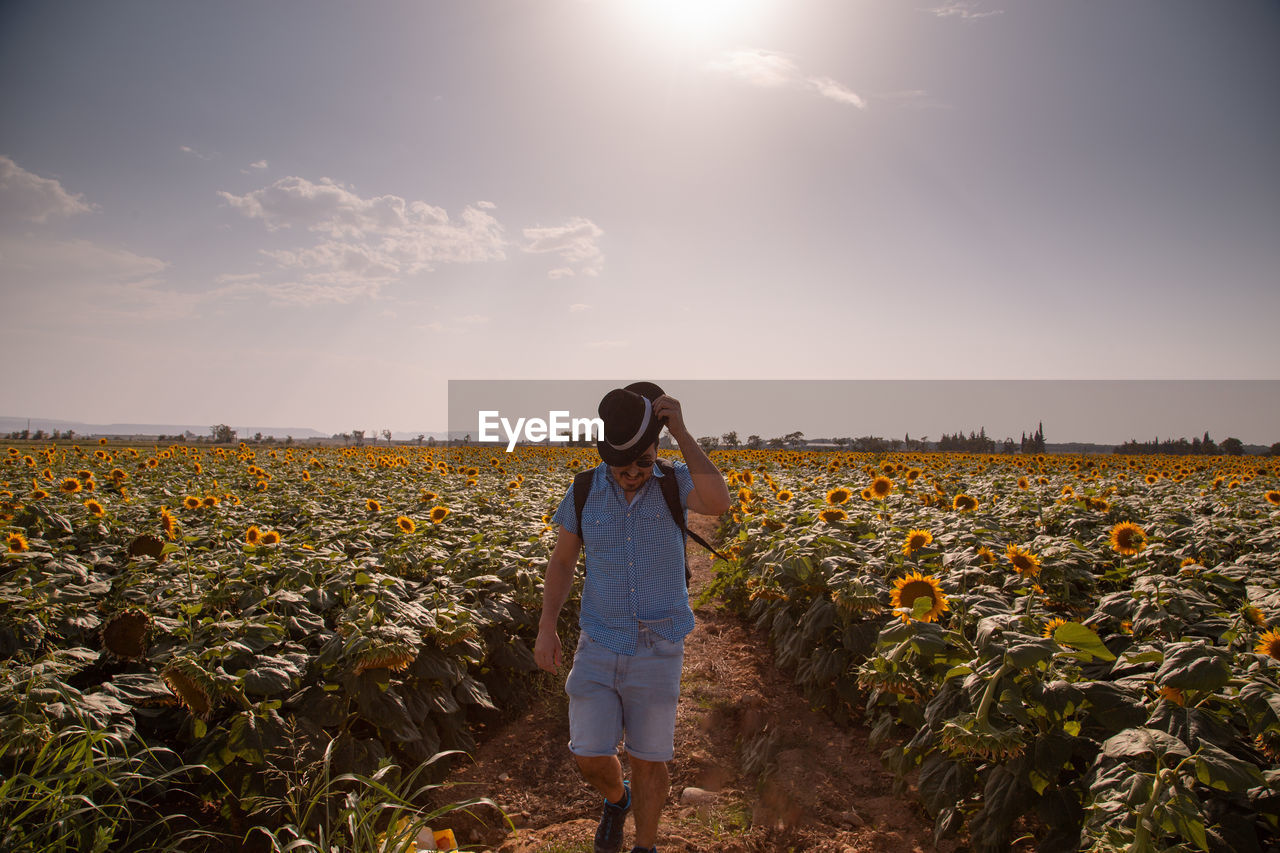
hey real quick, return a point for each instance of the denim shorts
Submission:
(612, 695)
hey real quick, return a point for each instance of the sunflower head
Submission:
(405, 524)
(1024, 562)
(209, 501)
(913, 588)
(1052, 626)
(1273, 497)
(1128, 538)
(191, 502)
(1174, 695)
(95, 508)
(439, 514)
(125, 634)
(1269, 644)
(269, 537)
(1255, 616)
(194, 687)
(837, 496)
(881, 487)
(987, 556)
(252, 535)
(70, 485)
(916, 539)
(964, 503)
(784, 495)
(833, 513)
(16, 542)
(372, 505)
(168, 523)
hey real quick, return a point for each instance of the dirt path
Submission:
(780, 775)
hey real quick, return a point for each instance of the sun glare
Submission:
(691, 20)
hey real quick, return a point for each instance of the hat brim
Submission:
(611, 456)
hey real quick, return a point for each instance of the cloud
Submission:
(26, 197)
(578, 307)
(260, 164)
(465, 323)
(364, 243)
(199, 155)
(305, 292)
(770, 70)
(966, 10)
(574, 242)
(78, 280)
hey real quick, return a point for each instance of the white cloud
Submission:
(966, 10)
(199, 155)
(260, 164)
(770, 70)
(465, 323)
(309, 291)
(26, 197)
(574, 242)
(366, 242)
(578, 307)
(77, 280)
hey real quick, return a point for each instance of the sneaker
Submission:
(609, 832)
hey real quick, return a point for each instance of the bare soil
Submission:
(780, 775)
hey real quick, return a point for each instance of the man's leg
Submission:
(650, 784)
(604, 773)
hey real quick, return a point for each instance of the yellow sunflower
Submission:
(986, 555)
(881, 487)
(964, 503)
(1255, 616)
(70, 485)
(833, 514)
(915, 585)
(1269, 644)
(372, 505)
(94, 508)
(269, 537)
(1273, 497)
(439, 514)
(168, 523)
(1023, 484)
(252, 535)
(39, 495)
(837, 496)
(916, 539)
(17, 543)
(406, 524)
(1128, 538)
(1053, 626)
(1024, 562)
(191, 502)
(784, 495)
(209, 501)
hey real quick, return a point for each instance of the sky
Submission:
(317, 214)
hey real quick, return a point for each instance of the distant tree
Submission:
(1232, 446)
(754, 442)
(257, 437)
(57, 434)
(222, 434)
(1275, 449)
(794, 439)
(421, 436)
(731, 439)
(346, 438)
(707, 443)
(777, 443)
(40, 434)
(1009, 446)
(358, 435)
(386, 433)
(431, 442)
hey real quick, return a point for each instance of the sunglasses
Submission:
(642, 462)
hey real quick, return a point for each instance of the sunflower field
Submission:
(1082, 652)
(204, 647)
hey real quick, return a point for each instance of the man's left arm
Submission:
(710, 495)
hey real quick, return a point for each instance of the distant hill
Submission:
(10, 424)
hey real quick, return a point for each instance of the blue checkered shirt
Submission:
(635, 561)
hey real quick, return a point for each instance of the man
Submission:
(634, 613)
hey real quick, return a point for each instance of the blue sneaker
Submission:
(609, 832)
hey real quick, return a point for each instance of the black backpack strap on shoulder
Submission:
(671, 493)
(581, 490)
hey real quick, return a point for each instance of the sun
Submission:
(691, 20)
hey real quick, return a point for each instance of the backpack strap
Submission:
(581, 490)
(671, 493)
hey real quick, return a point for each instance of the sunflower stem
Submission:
(989, 695)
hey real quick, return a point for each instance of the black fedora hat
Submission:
(630, 427)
